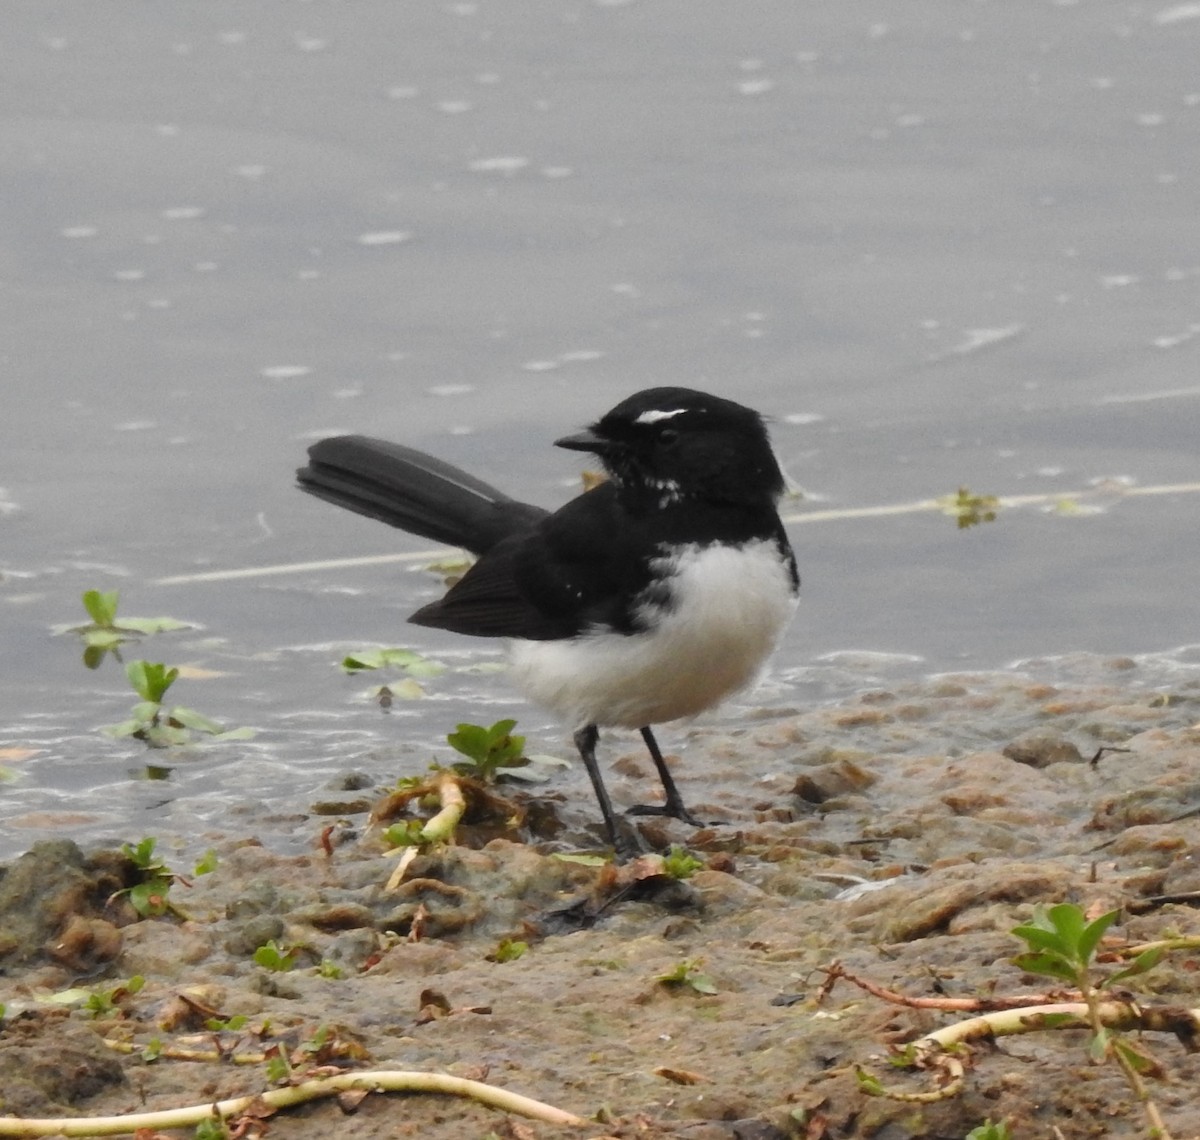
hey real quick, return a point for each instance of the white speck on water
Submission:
(758, 86)
(129, 274)
(348, 393)
(384, 237)
(181, 49)
(307, 274)
(455, 106)
(168, 130)
(1051, 472)
(284, 371)
(540, 365)
(205, 266)
(310, 43)
(581, 355)
(501, 164)
(56, 43)
(1119, 280)
(231, 37)
(403, 92)
(488, 77)
(910, 120)
(1151, 119)
(396, 354)
(252, 170)
(1103, 82)
(462, 9)
(557, 171)
(1179, 12)
(807, 56)
(450, 389)
(803, 418)
(79, 231)
(1140, 397)
(151, 239)
(976, 339)
(877, 31)
(136, 425)
(625, 289)
(462, 429)
(183, 213)
(158, 303)
(1178, 339)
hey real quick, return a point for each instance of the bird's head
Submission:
(670, 444)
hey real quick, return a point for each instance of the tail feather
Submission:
(413, 491)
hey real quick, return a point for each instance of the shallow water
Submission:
(940, 247)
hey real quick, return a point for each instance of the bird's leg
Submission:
(673, 806)
(625, 845)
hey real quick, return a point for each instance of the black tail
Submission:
(413, 491)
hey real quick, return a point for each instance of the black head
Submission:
(667, 444)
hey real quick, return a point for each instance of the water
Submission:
(943, 246)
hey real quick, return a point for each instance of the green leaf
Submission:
(471, 740)
(243, 733)
(150, 679)
(1145, 961)
(189, 718)
(149, 899)
(406, 659)
(1047, 965)
(101, 607)
(141, 856)
(154, 625)
(1098, 1047)
(678, 863)
(871, 1085)
(508, 950)
(1090, 936)
(206, 864)
(102, 639)
(273, 956)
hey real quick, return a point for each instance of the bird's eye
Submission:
(668, 437)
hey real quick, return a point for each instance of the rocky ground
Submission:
(903, 832)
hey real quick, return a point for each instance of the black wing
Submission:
(577, 567)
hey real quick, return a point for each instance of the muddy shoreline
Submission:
(902, 831)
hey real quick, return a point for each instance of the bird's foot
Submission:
(674, 811)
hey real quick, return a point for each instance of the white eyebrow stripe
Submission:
(653, 417)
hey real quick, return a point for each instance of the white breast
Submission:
(729, 607)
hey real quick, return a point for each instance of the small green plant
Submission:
(225, 1024)
(212, 1128)
(404, 833)
(275, 957)
(990, 1131)
(969, 510)
(326, 968)
(687, 974)
(206, 864)
(679, 863)
(161, 727)
(405, 660)
(105, 634)
(487, 749)
(508, 950)
(105, 1003)
(152, 1050)
(149, 897)
(1062, 945)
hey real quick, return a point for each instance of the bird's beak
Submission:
(585, 441)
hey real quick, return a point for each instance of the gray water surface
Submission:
(942, 245)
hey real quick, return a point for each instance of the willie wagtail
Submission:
(650, 598)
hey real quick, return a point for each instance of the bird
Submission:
(647, 599)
